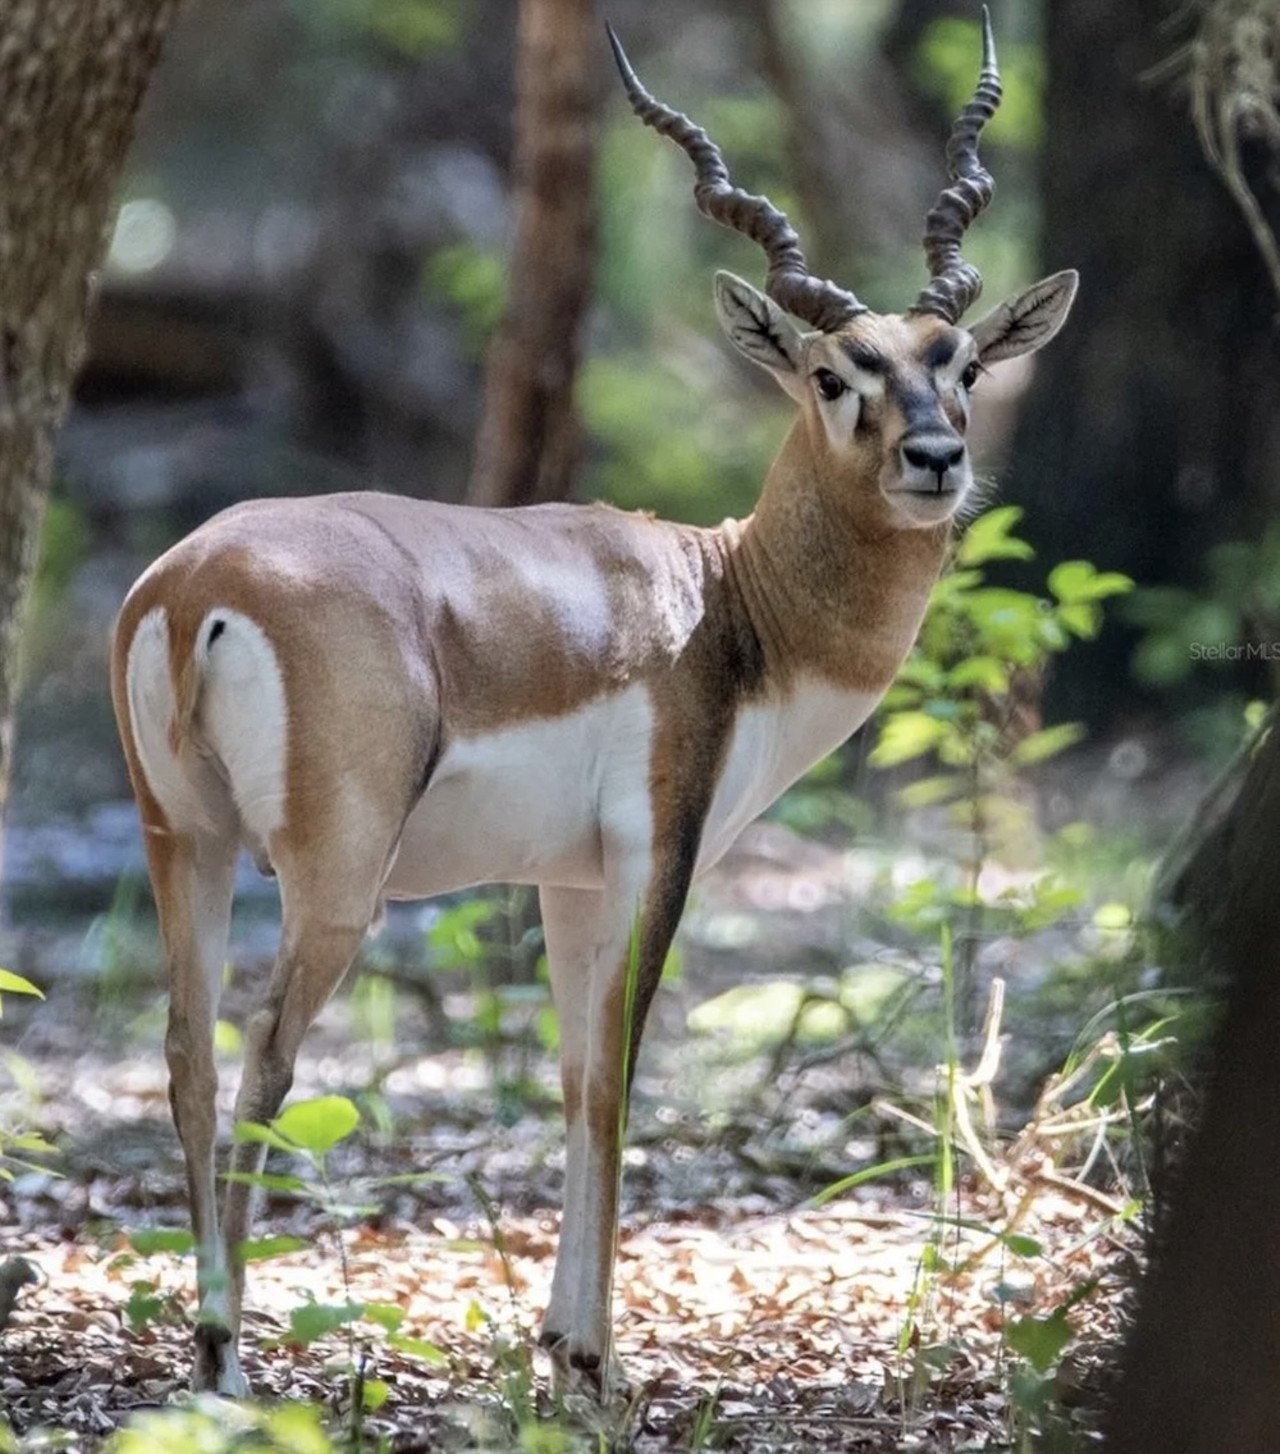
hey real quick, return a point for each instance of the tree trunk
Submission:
(1200, 1370)
(1150, 431)
(71, 75)
(527, 445)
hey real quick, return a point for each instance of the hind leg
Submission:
(329, 898)
(192, 876)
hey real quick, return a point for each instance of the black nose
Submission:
(935, 455)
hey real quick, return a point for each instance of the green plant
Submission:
(213, 1425)
(966, 701)
(953, 697)
(17, 1146)
(308, 1131)
(960, 699)
(512, 1013)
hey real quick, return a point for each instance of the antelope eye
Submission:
(830, 385)
(970, 375)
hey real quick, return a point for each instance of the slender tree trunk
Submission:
(71, 75)
(527, 445)
(1200, 1368)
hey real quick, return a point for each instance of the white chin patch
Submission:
(928, 509)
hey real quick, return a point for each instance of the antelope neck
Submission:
(825, 596)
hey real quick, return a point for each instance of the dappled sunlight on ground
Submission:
(808, 1329)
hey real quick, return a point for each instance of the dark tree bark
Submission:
(1200, 1371)
(528, 441)
(71, 75)
(1151, 429)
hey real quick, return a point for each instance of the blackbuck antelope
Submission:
(384, 698)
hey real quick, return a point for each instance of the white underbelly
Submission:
(525, 805)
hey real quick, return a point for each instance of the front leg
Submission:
(606, 950)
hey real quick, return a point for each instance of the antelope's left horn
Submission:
(957, 283)
(788, 282)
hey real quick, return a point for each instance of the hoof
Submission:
(217, 1369)
(581, 1373)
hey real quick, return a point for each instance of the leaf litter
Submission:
(746, 1319)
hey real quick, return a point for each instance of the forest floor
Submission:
(751, 1314)
(738, 1330)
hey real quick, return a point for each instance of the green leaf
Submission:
(1009, 624)
(989, 538)
(144, 1306)
(1162, 660)
(14, 984)
(386, 1315)
(869, 1173)
(930, 790)
(1041, 1341)
(919, 671)
(227, 1039)
(1157, 607)
(262, 1248)
(269, 1180)
(420, 1348)
(474, 280)
(317, 1125)
(147, 1241)
(1046, 743)
(1051, 900)
(1021, 1245)
(413, 1178)
(315, 1320)
(251, 1131)
(28, 1141)
(375, 1392)
(906, 735)
(1077, 580)
(1081, 618)
(1070, 580)
(987, 673)
(293, 1428)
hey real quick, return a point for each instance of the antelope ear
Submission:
(1027, 322)
(760, 330)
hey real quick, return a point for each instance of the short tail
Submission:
(186, 665)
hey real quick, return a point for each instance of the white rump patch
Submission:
(151, 703)
(242, 716)
(239, 721)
